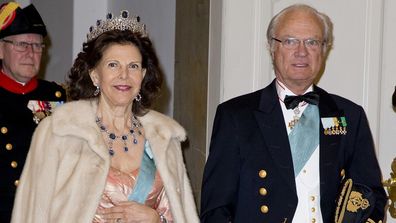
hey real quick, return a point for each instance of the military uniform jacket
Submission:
(249, 174)
(17, 126)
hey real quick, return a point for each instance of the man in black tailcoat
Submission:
(292, 152)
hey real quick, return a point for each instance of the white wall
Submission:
(57, 58)
(85, 16)
(387, 123)
(360, 67)
(159, 17)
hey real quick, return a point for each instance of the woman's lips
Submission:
(122, 87)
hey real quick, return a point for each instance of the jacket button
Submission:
(8, 146)
(58, 94)
(263, 191)
(4, 130)
(16, 183)
(262, 174)
(14, 164)
(264, 209)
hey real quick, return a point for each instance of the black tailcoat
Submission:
(249, 135)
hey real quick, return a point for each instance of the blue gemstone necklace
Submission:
(111, 136)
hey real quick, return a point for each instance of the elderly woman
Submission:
(106, 157)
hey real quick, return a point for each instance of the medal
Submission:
(42, 109)
(334, 125)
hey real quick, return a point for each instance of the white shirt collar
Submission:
(282, 90)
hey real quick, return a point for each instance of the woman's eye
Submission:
(112, 65)
(134, 66)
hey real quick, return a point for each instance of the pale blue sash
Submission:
(304, 137)
(146, 177)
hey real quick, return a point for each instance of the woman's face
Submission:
(119, 74)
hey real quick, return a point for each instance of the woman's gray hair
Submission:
(325, 20)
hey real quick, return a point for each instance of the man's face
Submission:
(298, 67)
(20, 66)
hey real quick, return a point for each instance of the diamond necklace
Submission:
(135, 129)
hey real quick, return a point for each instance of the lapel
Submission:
(329, 144)
(77, 119)
(159, 130)
(158, 142)
(270, 120)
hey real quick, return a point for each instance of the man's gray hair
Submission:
(325, 20)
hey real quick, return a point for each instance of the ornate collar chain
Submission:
(134, 131)
(296, 117)
(296, 113)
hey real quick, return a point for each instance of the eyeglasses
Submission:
(291, 43)
(23, 46)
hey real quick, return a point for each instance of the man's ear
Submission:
(271, 51)
(94, 77)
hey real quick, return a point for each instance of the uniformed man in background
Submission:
(24, 99)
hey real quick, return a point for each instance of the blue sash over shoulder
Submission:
(304, 138)
(146, 177)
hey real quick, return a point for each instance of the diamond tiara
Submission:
(123, 22)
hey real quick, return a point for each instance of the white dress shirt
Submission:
(308, 180)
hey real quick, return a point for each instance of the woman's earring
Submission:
(97, 91)
(138, 97)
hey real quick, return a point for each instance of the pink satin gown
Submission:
(120, 184)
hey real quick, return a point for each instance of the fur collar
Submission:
(77, 119)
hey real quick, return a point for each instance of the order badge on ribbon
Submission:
(42, 109)
(334, 125)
